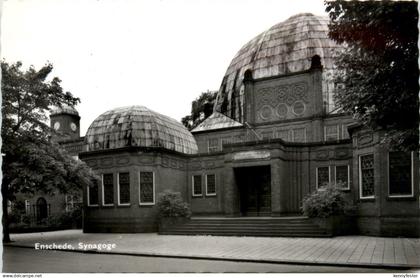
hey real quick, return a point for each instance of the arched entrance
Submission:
(41, 209)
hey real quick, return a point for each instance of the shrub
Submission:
(324, 203)
(170, 204)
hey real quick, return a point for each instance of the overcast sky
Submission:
(158, 53)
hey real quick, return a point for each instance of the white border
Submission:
(215, 186)
(154, 190)
(360, 177)
(316, 176)
(412, 179)
(192, 187)
(118, 189)
(348, 176)
(103, 191)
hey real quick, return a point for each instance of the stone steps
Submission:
(268, 227)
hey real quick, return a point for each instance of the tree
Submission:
(201, 108)
(31, 161)
(379, 68)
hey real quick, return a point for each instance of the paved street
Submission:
(346, 250)
(20, 260)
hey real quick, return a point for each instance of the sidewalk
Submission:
(344, 250)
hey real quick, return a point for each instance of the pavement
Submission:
(361, 251)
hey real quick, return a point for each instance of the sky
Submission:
(157, 53)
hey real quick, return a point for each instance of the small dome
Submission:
(64, 109)
(294, 45)
(140, 127)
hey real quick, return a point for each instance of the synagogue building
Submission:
(275, 136)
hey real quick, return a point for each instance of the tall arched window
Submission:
(41, 209)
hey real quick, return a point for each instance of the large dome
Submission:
(285, 48)
(138, 126)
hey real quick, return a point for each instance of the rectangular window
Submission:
(196, 186)
(69, 203)
(93, 194)
(342, 176)
(107, 189)
(366, 176)
(224, 141)
(213, 145)
(27, 207)
(211, 185)
(299, 135)
(400, 174)
(322, 176)
(123, 188)
(331, 133)
(147, 188)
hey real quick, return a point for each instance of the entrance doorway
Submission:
(254, 184)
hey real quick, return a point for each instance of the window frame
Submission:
(193, 185)
(103, 191)
(69, 202)
(325, 132)
(316, 176)
(284, 131)
(225, 140)
(412, 178)
(372, 197)
(154, 190)
(348, 176)
(304, 134)
(118, 189)
(215, 185)
(215, 147)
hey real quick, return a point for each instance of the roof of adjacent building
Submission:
(216, 121)
(285, 48)
(140, 127)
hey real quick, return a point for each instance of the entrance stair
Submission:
(297, 226)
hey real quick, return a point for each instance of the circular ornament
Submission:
(299, 108)
(281, 110)
(266, 112)
(73, 126)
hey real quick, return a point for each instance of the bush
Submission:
(324, 203)
(170, 204)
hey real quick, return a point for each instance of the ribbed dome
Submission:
(287, 47)
(141, 127)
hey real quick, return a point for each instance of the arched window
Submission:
(248, 75)
(41, 209)
(316, 62)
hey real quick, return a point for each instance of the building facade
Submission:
(275, 136)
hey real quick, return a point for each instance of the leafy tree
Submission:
(31, 161)
(379, 68)
(201, 108)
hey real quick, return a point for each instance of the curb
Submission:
(139, 254)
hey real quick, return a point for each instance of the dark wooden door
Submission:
(255, 190)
